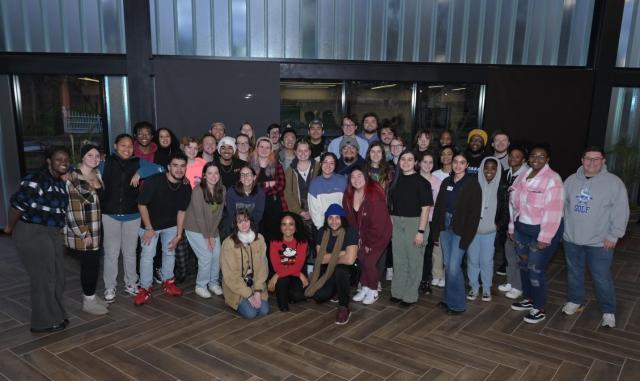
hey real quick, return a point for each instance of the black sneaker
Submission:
(157, 275)
(535, 316)
(425, 288)
(502, 270)
(523, 305)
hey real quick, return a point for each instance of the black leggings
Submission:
(89, 268)
(339, 283)
(289, 289)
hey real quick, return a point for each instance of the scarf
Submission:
(317, 281)
(247, 238)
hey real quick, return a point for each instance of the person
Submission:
(397, 147)
(209, 150)
(244, 147)
(244, 268)
(447, 138)
(288, 255)
(229, 165)
(201, 222)
(421, 143)
(298, 178)
(378, 168)
(536, 203)
(500, 145)
(387, 133)
(370, 124)
(248, 130)
(476, 143)
(596, 214)
(35, 220)
(326, 189)
(144, 147)
(337, 250)
(366, 206)
(432, 269)
(190, 147)
(455, 223)
(167, 143)
(121, 172)
(410, 201)
(317, 142)
(349, 128)
(446, 159)
(83, 226)
(162, 204)
(513, 287)
(273, 133)
(246, 194)
(349, 157)
(271, 179)
(218, 130)
(287, 147)
(494, 215)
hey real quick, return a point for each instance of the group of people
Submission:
(306, 218)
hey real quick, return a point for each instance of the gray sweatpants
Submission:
(120, 236)
(513, 269)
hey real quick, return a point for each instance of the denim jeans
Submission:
(247, 311)
(208, 259)
(452, 255)
(480, 261)
(599, 261)
(149, 251)
(534, 262)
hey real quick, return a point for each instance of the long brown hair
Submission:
(386, 170)
(215, 197)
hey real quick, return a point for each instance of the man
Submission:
(349, 157)
(370, 128)
(349, 128)
(144, 147)
(229, 165)
(273, 133)
(500, 144)
(218, 130)
(477, 141)
(596, 213)
(317, 142)
(162, 204)
(387, 133)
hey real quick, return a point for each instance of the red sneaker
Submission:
(170, 287)
(143, 296)
(343, 315)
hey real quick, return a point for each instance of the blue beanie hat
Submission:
(335, 210)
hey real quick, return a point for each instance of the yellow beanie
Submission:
(479, 132)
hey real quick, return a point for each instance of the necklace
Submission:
(224, 168)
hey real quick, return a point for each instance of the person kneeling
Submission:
(244, 268)
(337, 253)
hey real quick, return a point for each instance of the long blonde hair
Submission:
(270, 170)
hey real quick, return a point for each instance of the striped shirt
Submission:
(42, 199)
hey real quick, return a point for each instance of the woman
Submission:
(35, 219)
(337, 252)
(287, 151)
(244, 268)
(120, 216)
(243, 145)
(446, 159)
(248, 130)
(421, 143)
(288, 255)
(447, 138)
(167, 143)
(271, 180)
(190, 147)
(298, 179)
(455, 223)
(246, 194)
(83, 227)
(494, 215)
(536, 204)
(410, 201)
(377, 168)
(366, 207)
(327, 188)
(201, 222)
(209, 145)
(432, 266)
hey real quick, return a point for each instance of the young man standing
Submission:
(218, 130)
(162, 204)
(387, 133)
(273, 133)
(500, 144)
(596, 213)
(317, 142)
(370, 128)
(144, 147)
(349, 158)
(229, 165)
(349, 128)
(477, 141)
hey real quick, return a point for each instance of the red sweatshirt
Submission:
(287, 257)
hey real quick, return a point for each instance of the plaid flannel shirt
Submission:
(83, 214)
(278, 189)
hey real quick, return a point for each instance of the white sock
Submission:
(90, 297)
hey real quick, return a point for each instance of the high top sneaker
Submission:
(142, 297)
(170, 288)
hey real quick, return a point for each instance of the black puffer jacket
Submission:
(119, 196)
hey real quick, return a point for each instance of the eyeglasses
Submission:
(243, 144)
(396, 146)
(348, 125)
(246, 174)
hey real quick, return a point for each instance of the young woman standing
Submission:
(272, 181)
(243, 145)
(190, 147)
(248, 130)
(378, 168)
(421, 143)
(247, 194)
(167, 143)
(432, 267)
(446, 159)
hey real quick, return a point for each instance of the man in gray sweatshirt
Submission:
(596, 212)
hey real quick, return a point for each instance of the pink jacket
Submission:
(538, 201)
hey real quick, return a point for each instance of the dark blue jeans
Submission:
(534, 262)
(452, 256)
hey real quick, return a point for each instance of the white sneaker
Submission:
(131, 289)
(110, 295)
(216, 289)
(472, 295)
(203, 292)
(513, 294)
(609, 320)
(435, 281)
(505, 287)
(91, 305)
(371, 297)
(441, 283)
(486, 296)
(390, 273)
(570, 308)
(359, 296)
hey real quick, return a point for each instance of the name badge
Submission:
(449, 188)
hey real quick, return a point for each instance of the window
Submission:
(303, 101)
(628, 47)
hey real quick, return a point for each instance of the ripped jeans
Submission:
(534, 262)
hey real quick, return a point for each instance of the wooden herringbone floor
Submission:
(189, 338)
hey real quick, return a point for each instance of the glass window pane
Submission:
(629, 44)
(303, 101)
